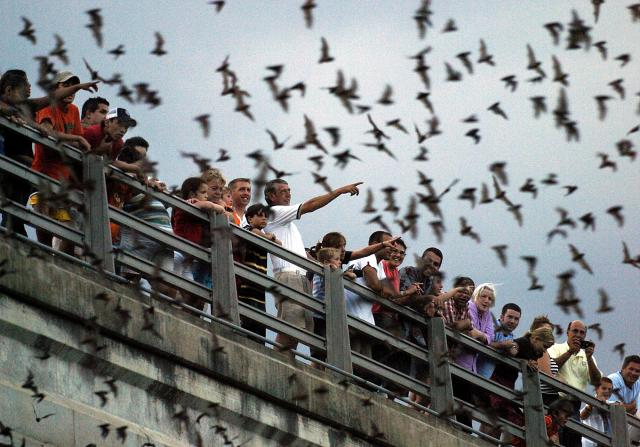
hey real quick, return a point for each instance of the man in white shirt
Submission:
(281, 223)
(626, 386)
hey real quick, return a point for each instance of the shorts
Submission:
(289, 310)
(59, 214)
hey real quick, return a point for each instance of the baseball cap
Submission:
(65, 76)
(122, 115)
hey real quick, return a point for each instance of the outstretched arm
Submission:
(40, 103)
(318, 202)
(371, 249)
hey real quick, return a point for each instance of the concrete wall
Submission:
(180, 381)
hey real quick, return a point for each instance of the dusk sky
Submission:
(372, 42)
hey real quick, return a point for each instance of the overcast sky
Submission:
(371, 41)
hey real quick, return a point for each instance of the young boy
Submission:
(594, 417)
(255, 257)
(194, 191)
(559, 413)
(333, 258)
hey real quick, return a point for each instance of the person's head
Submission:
(466, 287)
(240, 192)
(381, 236)
(510, 316)
(430, 308)
(630, 369)
(334, 240)
(437, 284)
(226, 197)
(257, 215)
(215, 181)
(277, 192)
(576, 332)
(94, 110)
(194, 188)
(65, 79)
(117, 122)
(484, 296)
(560, 411)
(431, 260)
(330, 257)
(604, 389)
(134, 149)
(540, 321)
(397, 254)
(541, 339)
(14, 87)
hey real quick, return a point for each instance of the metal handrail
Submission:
(97, 203)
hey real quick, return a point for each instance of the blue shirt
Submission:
(485, 365)
(621, 392)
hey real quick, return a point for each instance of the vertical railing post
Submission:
(536, 430)
(439, 372)
(97, 233)
(224, 294)
(337, 329)
(619, 428)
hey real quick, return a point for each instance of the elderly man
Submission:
(626, 386)
(577, 367)
(281, 223)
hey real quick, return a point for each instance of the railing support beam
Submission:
(619, 428)
(225, 296)
(97, 233)
(337, 330)
(441, 389)
(536, 433)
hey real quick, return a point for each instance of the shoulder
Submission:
(278, 211)
(93, 131)
(558, 349)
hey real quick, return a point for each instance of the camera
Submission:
(584, 344)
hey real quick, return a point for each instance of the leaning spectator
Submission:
(546, 364)
(430, 262)
(578, 367)
(502, 337)
(278, 195)
(559, 413)
(455, 312)
(240, 196)
(105, 139)
(16, 105)
(626, 386)
(215, 182)
(255, 257)
(330, 257)
(63, 121)
(594, 417)
(194, 191)
(94, 111)
(151, 211)
(530, 347)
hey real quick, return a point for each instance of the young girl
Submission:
(186, 225)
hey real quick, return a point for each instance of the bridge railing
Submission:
(99, 252)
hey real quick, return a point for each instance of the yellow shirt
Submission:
(575, 371)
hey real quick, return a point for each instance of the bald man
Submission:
(577, 367)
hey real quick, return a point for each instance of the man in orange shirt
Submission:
(62, 120)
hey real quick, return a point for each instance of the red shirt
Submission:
(94, 135)
(46, 160)
(190, 227)
(393, 276)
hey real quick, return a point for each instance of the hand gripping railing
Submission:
(96, 237)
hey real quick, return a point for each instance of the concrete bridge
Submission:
(111, 367)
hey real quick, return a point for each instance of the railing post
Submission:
(619, 428)
(441, 388)
(536, 430)
(97, 234)
(222, 270)
(337, 329)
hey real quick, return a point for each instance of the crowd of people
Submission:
(100, 128)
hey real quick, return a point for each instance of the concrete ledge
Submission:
(167, 362)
